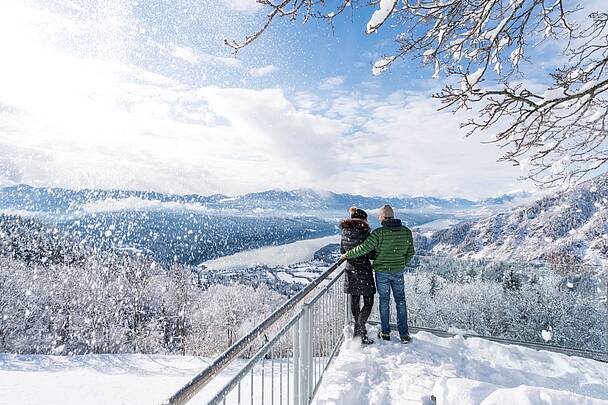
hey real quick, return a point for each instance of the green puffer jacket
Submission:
(393, 244)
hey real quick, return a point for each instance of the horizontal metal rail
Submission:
(188, 391)
(490, 262)
(220, 396)
(316, 333)
(570, 351)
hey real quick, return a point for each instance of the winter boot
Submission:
(366, 341)
(406, 339)
(384, 336)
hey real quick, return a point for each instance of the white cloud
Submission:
(309, 101)
(224, 60)
(300, 142)
(187, 54)
(245, 6)
(404, 144)
(195, 57)
(331, 83)
(140, 204)
(263, 71)
(235, 140)
(79, 121)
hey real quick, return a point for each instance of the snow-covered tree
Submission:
(567, 301)
(511, 281)
(556, 127)
(224, 313)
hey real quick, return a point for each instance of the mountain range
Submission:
(60, 200)
(564, 227)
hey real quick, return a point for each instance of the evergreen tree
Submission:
(511, 281)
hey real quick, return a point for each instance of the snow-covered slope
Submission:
(460, 372)
(562, 228)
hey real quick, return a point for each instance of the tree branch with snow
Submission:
(479, 47)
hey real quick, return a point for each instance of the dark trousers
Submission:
(360, 315)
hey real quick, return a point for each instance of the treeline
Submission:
(131, 305)
(519, 307)
(63, 295)
(60, 296)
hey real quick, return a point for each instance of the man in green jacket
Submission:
(394, 247)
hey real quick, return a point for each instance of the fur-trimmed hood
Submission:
(354, 223)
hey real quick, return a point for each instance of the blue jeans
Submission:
(385, 282)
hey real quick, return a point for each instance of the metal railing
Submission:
(569, 351)
(306, 334)
(287, 369)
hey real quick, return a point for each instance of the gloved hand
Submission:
(343, 256)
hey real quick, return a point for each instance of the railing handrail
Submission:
(267, 347)
(489, 261)
(251, 363)
(567, 350)
(199, 381)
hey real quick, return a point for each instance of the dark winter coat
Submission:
(393, 246)
(359, 274)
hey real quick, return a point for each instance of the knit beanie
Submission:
(387, 212)
(357, 213)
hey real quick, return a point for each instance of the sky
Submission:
(145, 95)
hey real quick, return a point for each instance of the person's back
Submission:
(354, 232)
(359, 280)
(394, 247)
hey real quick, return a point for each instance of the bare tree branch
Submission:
(479, 47)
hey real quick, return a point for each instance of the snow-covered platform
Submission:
(459, 371)
(454, 370)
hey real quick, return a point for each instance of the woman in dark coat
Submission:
(359, 280)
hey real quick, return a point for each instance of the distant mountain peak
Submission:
(563, 227)
(53, 199)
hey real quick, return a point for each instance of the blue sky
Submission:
(144, 95)
(304, 55)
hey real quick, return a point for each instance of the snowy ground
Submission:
(95, 379)
(281, 255)
(463, 372)
(127, 379)
(456, 371)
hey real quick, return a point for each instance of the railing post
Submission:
(605, 270)
(296, 363)
(305, 356)
(347, 313)
(310, 354)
